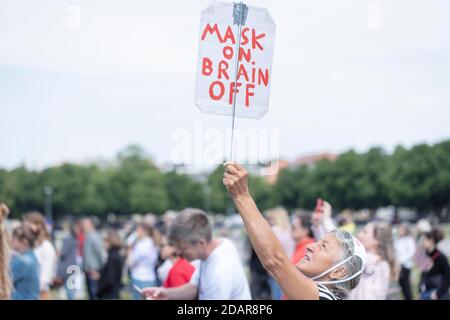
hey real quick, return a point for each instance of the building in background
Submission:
(272, 171)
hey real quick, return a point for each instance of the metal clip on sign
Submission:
(240, 11)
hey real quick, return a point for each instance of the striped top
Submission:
(325, 293)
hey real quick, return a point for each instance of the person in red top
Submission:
(181, 271)
(80, 238)
(302, 235)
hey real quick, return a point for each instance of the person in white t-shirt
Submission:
(405, 249)
(142, 260)
(220, 275)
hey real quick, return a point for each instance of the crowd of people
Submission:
(305, 255)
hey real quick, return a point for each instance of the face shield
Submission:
(358, 251)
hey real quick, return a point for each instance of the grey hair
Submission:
(191, 225)
(353, 265)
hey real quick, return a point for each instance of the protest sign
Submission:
(234, 68)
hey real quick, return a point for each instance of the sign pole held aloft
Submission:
(239, 16)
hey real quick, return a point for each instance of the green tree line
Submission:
(417, 178)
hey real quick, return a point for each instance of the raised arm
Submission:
(267, 246)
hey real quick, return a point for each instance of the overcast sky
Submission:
(346, 74)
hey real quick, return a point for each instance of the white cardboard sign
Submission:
(217, 53)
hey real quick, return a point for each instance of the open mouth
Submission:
(307, 256)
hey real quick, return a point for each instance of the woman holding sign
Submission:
(329, 270)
